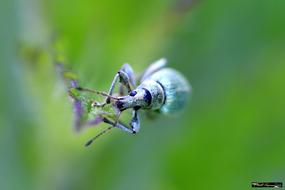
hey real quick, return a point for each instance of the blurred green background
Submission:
(232, 133)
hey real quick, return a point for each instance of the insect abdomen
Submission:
(176, 89)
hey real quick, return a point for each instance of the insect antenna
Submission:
(95, 92)
(98, 135)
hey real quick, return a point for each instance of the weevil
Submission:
(160, 89)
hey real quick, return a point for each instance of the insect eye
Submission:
(133, 93)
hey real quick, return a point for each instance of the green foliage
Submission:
(232, 133)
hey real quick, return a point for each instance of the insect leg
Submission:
(126, 79)
(119, 125)
(113, 125)
(110, 92)
(130, 73)
(157, 65)
(135, 122)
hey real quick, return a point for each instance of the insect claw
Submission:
(97, 104)
(88, 143)
(97, 136)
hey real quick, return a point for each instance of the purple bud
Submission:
(95, 121)
(73, 84)
(77, 110)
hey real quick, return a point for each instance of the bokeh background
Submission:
(232, 132)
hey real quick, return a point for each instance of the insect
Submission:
(160, 89)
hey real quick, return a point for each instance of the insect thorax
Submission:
(156, 94)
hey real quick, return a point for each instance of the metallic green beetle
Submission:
(161, 89)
